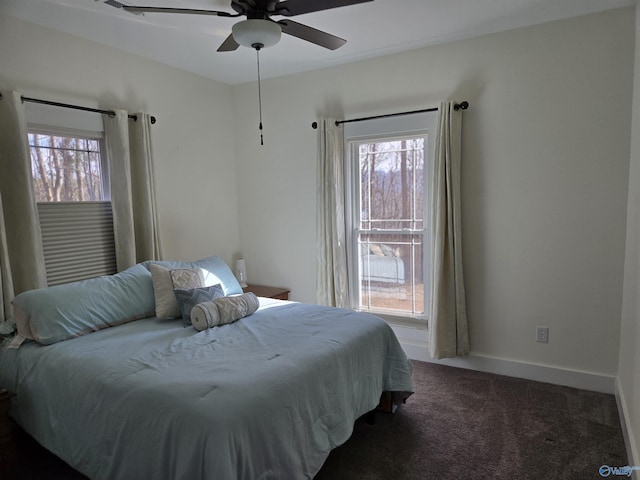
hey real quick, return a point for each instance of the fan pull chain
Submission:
(259, 94)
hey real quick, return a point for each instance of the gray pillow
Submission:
(223, 311)
(188, 298)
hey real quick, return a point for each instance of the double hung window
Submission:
(387, 176)
(71, 185)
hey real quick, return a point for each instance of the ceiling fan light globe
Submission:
(256, 32)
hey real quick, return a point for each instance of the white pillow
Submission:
(165, 280)
(214, 269)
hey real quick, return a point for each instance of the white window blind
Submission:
(78, 240)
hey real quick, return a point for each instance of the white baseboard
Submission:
(512, 368)
(629, 440)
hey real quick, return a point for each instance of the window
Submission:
(387, 175)
(71, 185)
(67, 168)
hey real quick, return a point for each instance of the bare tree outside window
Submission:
(65, 169)
(391, 229)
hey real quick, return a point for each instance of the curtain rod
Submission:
(111, 113)
(458, 106)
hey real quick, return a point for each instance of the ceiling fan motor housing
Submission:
(256, 33)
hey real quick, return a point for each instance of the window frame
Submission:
(381, 130)
(70, 252)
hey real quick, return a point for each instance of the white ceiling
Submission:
(372, 29)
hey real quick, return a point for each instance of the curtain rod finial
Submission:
(461, 106)
(314, 125)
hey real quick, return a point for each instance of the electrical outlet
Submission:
(542, 334)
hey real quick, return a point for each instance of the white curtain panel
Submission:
(331, 282)
(145, 215)
(116, 132)
(448, 327)
(6, 282)
(20, 238)
(133, 199)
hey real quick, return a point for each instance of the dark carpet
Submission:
(459, 424)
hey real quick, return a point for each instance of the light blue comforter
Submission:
(266, 397)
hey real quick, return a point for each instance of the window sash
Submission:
(401, 285)
(105, 187)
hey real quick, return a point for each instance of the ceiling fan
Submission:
(259, 30)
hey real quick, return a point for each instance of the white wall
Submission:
(545, 165)
(192, 141)
(629, 364)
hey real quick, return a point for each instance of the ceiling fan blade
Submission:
(312, 35)
(229, 45)
(289, 8)
(138, 10)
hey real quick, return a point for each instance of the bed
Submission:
(265, 397)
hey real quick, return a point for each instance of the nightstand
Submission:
(269, 292)
(8, 453)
